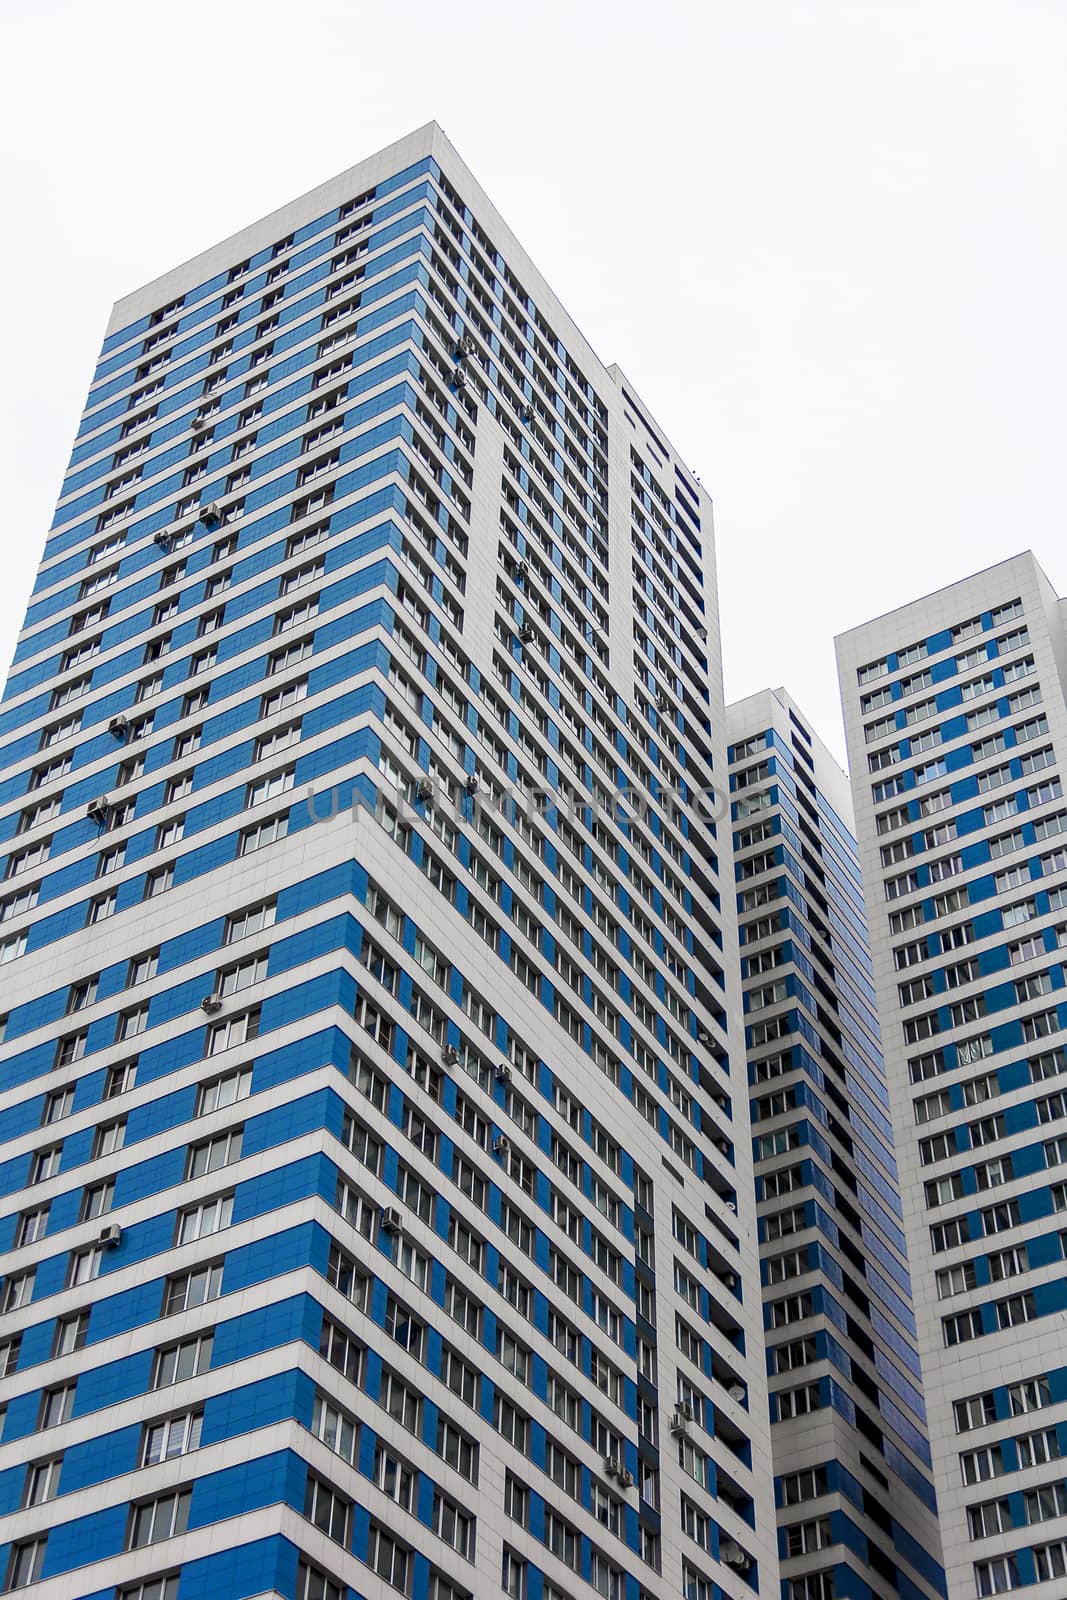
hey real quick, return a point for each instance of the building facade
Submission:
(957, 743)
(853, 1482)
(377, 1197)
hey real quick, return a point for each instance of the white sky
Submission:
(827, 240)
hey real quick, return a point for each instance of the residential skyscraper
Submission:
(378, 1196)
(853, 1485)
(957, 741)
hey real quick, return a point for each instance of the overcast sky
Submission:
(828, 242)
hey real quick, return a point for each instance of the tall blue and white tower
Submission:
(852, 1463)
(957, 734)
(376, 1193)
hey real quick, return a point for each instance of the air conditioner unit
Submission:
(111, 1235)
(734, 1556)
(703, 1036)
(625, 1478)
(731, 1205)
(459, 378)
(522, 569)
(162, 538)
(424, 789)
(464, 347)
(119, 726)
(99, 808)
(526, 633)
(198, 424)
(527, 415)
(450, 1055)
(502, 1072)
(210, 514)
(470, 783)
(501, 1144)
(684, 1410)
(736, 1391)
(730, 1280)
(211, 1003)
(679, 1421)
(611, 1467)
(392, 1219)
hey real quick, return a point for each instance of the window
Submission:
(330, 1511)
(187, 1359)
(263, 833)
(395, 1477)
(992, 1516)
(242, 924)
(176, 1436)
(976, 1466)
(962, 1327)
(42, 1481)
(193, 1288)
(814, 1586)
(975, 1412)
(1035, 1449)
(457, 1450)
(513, 1575)
(1015, 1309)
(56, 1405)
(161, 1518)
(1050, 1560)
(210, 1216)
(101, 907)
(997, 1575)
(97, 1200)
(26, 1562)
(119, 1079)
(159, 881)
(390, 1559)
(233, 1031)
(109, 1138)
(71, 1334)
(132, 1021)
(337, 1430)
(1050, 1500)
(210, 1154)
(224, 1091)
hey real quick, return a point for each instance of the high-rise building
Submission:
(378, 1209)
(853, 1484)
(957, 741)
